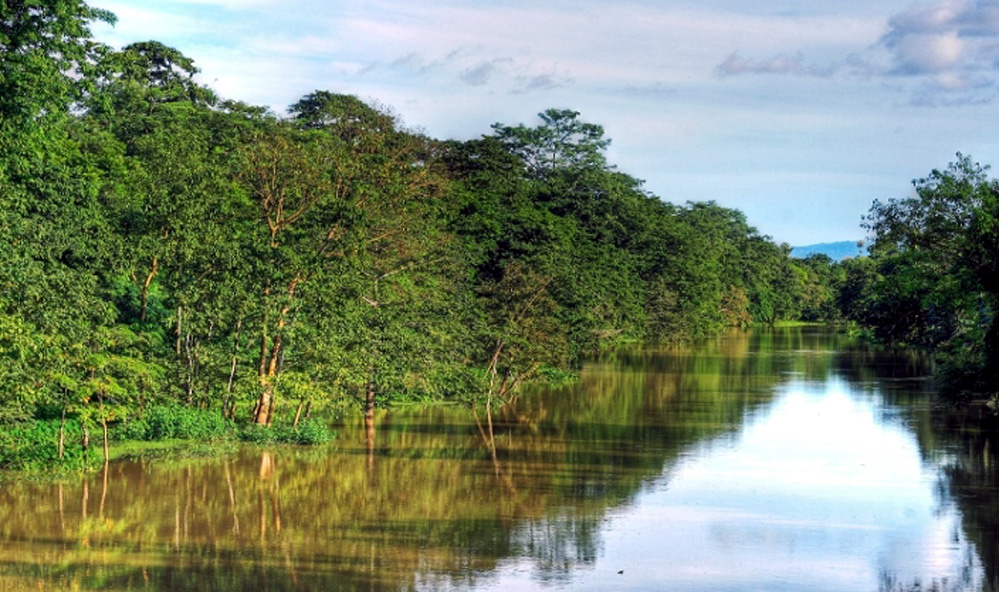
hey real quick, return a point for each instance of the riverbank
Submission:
(60, 447)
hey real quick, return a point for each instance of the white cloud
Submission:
(795, 64)
(940, 52)
(927, 18)
(922, 53)
(951, 43)
(482, 72)
(951, 81)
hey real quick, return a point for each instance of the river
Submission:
(789, 459)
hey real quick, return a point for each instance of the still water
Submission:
(773, 460)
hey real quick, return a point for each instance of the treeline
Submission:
(932, 280)
(160, 244)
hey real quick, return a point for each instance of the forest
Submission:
(178, 264)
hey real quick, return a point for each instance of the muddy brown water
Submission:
(788, 459)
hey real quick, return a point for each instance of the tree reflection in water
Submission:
(446, 498)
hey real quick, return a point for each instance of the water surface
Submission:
(774, 460)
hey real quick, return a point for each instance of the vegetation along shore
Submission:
(178, 265)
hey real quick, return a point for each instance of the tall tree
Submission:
(397, 264)
(46, 54)
(299, 208)
(561, 143)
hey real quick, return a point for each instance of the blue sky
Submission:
(799, 113)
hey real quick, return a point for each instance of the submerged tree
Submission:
(521, 316)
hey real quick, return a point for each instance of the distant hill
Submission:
(836, 251)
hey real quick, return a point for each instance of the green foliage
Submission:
(313, 431)
(35, 445)
(131, 429)
(310, 432)
(162, 72)
(43, 43)
(821, 281)
(166, 422)
(735, 308)
(557, 376)
(936, 279)
(561, 144)
(172, 260)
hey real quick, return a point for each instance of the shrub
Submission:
(36, 445)
(132, 428)
(312, 432)
(165, 422)
(258, 434)
(309, 432)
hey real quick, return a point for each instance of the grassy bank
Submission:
(57, 446)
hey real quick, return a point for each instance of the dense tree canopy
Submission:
(163, 245)
(47, 56)
(936, 281)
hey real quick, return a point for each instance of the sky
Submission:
(797, 112)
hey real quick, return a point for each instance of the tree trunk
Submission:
(271, 354)
(298, 414)
(104, 429)
(489, 439)
(62, 433)
(263, 407)
(144, 293)
(369, 396)
(191, 369)
(180, 328)
(229, 404)
(264, 404)
(270, 413)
